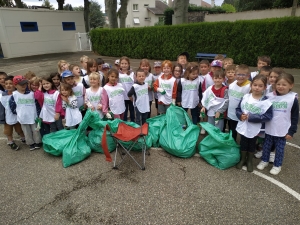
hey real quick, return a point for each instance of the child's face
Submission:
(9, 86)
(105, 70)
(283, 87)
(56, 81)
(117, 67)
(76, 71)
(230, 74)
(21, 88)
(93, 68)
(99, 67)
(215, 68)
(140, 77)
(112, 78)
(84, 63)
(145, 67)
(64, 66)
(34, 87)
(157, 70)
(226, 63)
(69, 80)
(166, 69)
(64, 92)
(265, 73)
(272, 78)
(193, 75)
(124, 65)
(260, 64)
(218, 81)
(94, 82)
(177, 72)
(242, 76)
(2, 80)
(182, 59)
(46, 85)
(257, 87)
(204, 68)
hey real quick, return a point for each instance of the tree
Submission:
(228, 8)
(6, 3)
(46, 3)
(180, 11)
(60, 4)
(68, 7)
(294, 7)
(79, 8)
(86, 11)
(96, 16)
(111, 12)
(20, 4)
(122, 13)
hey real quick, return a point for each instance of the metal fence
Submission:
(83, 42)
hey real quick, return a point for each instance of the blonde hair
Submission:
(82, 58)
(96, 75)
(29, 75)
(35, 80)
(66, 87)
(228, 60)
(59, 65)
(219, 57)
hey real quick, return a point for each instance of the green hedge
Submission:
(242, 40)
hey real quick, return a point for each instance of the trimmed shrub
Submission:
(241, 40)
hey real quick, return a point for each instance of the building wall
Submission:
(50, 37)
(142, 13)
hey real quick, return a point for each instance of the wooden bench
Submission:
(201, 55)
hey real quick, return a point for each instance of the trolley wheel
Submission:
(115, 168)
(143, 168)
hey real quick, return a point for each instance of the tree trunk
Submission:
(123, 13)
(86, 12)
(19, 3)
(111, 6)
(180, 11)
(294, 7)
(60, 4)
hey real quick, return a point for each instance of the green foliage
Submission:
(241, 40)
(228, 8)
(68, 7)
(46, 3)
(96, 15)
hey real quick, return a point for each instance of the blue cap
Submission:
(67, 73)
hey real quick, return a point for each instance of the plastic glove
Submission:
(160, 90)
(108, 116)
(81, 108)
(38, 122)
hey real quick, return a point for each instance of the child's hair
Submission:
(204, 61)
(230, 67)
(55, 74)
(126, 59)
(263, 78)
(277, 70)
(243, 67)
(218, 74)
(66, 87)
(139, 70)
(287, 77)
(99, 61)
(90, 64)
(191, 68)
(219, 57)
(48, 79)
(59, 65)
(265, 59)
(9, 78)
(168, 63)
(177, 65)
(29, 75)
(84, 57)
(3, 73)
(267, 69)
(228, 60)
(71, 67)
(145, 61)
(112, 71)
(95, 75)
(35, 81)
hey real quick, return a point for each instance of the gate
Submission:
(83, 42)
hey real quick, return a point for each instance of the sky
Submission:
(80, 2)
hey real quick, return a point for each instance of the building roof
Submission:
(159, 9)
(205, 4)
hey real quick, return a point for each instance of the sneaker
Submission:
(13, 146)
(262, 165)
(258, 154)
(202, 131)
(275, 170)
(23, 140)
(272, 157)
(37, 146)
(31, 147)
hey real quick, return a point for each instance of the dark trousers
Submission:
(248, 144)
(53, 127)
(195, 114)
(149, 114)
(279, 143)
(232, 126)
(129, 105)
(140, 118)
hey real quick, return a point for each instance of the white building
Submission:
(25, 32)
(197, 3)
(144, 12)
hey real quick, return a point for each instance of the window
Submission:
(136, 20)
(146, 5)
(147, 18)
(68, 26)
(29, 26)
(135, 7)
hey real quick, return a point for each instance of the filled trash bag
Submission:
(219, 149)
(155, 126)
(179, 135)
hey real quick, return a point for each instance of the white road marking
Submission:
(23, 69)
(293, 145)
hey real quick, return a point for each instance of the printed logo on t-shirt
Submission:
(125, 80)
(25, 101)
(94, 98)
(188, 87)
(49, 101)
(209, 98)
(165, 86)
(142, 92)
(251, 108)
(116, 93)
(77, 93)
(280, 106)
(235, 94)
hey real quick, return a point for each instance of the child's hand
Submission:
(92, 108)
(203, 110)
(131, 99)
(288, 137)
(217, 115)
(56, 117)
(179, 103)
(40, 86)
(99, 106)
(244, 117)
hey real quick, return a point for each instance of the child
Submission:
(145, 65)
(261, 61)
(55, 77)
(182, 59)
(204, 66)
(166, 88)
(22, 103)
(29, 75)
(91, 66)
(265, 70)
(69, 104)
(117, 64)
(219, 57)
(227, 62)
(105, 69)
(177, 71)
(253, 111)
(62, 65)
(189, 92)
(156, 74)
(215, 100)
(93, 94)
(208, 79)
(230, 74)
(83, 62)
(237, 90)
(100, 63)
(284, 123)
(275, 73)
(3, 75)
(140, 92)
(126, 78)
(48, 97)
(11, 121)
(76, 72)
(112, 96)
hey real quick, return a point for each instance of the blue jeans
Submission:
(195, 114)
(129, 104)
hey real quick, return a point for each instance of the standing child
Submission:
(117, 64)
(204, 66)
(112, 97)
(215, 65)
(69, 104)
(105, 69)
(55, 79)
(48, 97)
(227, 62)
(11, 121)
(261, 61)
(100, 63)
(22, 103)
(230, 75)
(253, 111)
(93, 94)
(141, 98)
(157, 72)
(76, 72)
(166, 88)
(83, 62)
(182, 59)
(29, 75)
(126, 78)
(215, 100)
(237, 90)
(177, 71)
(284, 123)
(91, 66)
(62, 65)
(189, 92)
(3, 75)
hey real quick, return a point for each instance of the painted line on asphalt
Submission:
(293, 145)
(23, 69)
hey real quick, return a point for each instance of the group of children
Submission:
(260, 106)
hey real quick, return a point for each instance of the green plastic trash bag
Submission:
(179, 135)
(155, 126)
(219, 149)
